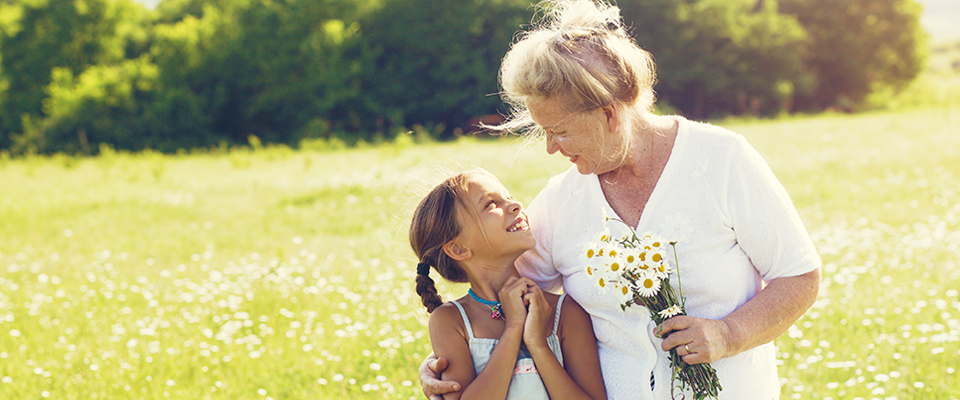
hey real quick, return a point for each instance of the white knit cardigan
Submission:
(736, 228)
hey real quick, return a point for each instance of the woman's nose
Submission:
(552, 145)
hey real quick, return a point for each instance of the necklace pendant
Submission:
(496, 312)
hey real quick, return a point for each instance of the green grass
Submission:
(286, 274)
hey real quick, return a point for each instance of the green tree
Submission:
(858, 46)
(720, 56)
(40, 36)
(273, 69)
(103, 104)
(437, 62)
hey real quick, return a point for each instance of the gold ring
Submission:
(687, 348)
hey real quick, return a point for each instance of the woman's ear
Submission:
(613, 117)
(457, 251)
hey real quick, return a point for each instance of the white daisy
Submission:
(648, 285)
(671, 311)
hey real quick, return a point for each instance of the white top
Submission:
(736, 228)
(525, 383)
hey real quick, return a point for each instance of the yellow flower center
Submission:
(614, 267)
(590, 253)
(624, 290)
(630, 259)
(648, 283)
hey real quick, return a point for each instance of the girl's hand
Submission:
(512, 301)
(539, 322)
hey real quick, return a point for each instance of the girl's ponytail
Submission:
(434, 224)
(427, 289)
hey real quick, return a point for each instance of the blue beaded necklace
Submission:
(496, 312)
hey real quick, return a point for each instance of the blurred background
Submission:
(240, 232)
(77, 75)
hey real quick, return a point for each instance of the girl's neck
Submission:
(488, 282)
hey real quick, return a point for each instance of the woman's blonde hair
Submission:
(580, 51)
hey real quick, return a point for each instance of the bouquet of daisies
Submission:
(636, 268)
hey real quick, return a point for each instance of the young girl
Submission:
(503, 340)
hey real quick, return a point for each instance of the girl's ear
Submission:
(457, 251)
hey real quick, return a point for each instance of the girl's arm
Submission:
(580, 377)
(449, 339)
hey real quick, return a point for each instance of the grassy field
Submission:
(286, 274)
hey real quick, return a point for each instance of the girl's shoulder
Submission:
(448, 314)
(571, 313)
(553, 298)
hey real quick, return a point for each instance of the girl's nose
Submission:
(515, 206)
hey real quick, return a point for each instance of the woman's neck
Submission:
(650, 148)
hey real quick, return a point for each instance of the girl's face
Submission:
(494, 224)
(585, 137)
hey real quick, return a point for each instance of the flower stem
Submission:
(676, 260)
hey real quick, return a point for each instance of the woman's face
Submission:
(587, 137)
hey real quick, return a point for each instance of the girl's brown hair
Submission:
(434, 224)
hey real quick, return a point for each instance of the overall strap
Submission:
(466, 320)
(556, 318)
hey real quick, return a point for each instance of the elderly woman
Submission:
(748, 267)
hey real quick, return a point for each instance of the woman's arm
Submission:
(770, 233)
(580, 377)
(760, 320)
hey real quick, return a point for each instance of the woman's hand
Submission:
(697, 340)
(761, 320)
(512, 301)
(429, 374)
(538, 324)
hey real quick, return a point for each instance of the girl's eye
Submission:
(491, 203)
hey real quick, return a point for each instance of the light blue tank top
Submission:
(526, 382)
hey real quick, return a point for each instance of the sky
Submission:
(939, 18)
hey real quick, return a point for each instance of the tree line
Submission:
(75, 74)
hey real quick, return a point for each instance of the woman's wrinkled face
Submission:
(586, 137)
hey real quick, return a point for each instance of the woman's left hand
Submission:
(697, 340)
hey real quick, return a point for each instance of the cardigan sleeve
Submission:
(767, 225)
